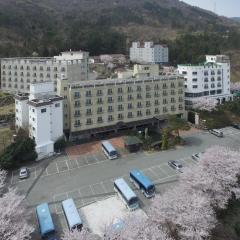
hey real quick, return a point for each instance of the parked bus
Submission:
(216, 132)
(109, 150)
(126, 194)
(71, 213)
(47, 229)
(143, 183)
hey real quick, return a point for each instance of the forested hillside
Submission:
(108, 26)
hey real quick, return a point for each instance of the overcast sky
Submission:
(229, 8)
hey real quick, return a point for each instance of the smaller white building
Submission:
(210, 79)
(42, 114)
(148, 52)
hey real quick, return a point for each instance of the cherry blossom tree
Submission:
(84, 234)
(235, 86)
(216, 175)
(205, 104)
(13, 225)
(135, 227)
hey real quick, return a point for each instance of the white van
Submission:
(216, 132)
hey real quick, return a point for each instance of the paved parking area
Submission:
(85, 195)
(228, 131)
(60, 165)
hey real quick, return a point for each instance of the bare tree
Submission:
(13, 226)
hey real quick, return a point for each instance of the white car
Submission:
(197, 156)
(23, 173)
(176, 165)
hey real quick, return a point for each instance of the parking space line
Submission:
(77, 163)
(57, 167)
(47, 171)
(150, 169)
(93, 193)
(164, 173)
(35, 172)
(67, 165)
(104, 188)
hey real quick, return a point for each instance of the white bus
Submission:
(71, 213)
(109, 150)
(126, 194)
(216, 132)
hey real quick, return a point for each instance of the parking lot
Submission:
(85, 195)
(88, 176)
(60, 165)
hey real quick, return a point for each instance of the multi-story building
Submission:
(41, 113)
(18, 73)
(98, 106)
(148, 52)
(210, 79)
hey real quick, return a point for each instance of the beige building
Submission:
(98, 106)
(18, 73)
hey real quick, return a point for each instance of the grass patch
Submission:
(5, 138)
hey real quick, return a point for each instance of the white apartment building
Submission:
(210, 79)
(148, 52)
(41, 113)
(96, 107)
(18, 73)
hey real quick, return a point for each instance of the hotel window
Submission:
(99, 119)
(139, 104)
(110, 91)
(156, 111)
(88, 93)
(148, 112)
(139, 89)
(77, 104)
(110, 109)
(99, 92)
(88, 112)
(156, 103)
(129, 89)
(172, 100)
(139, 113)
(110, 99)
(148, 104)
(99, 101)
(77, 113)
(43, 110)
(120, 107)
(99, 110)
(89, 121)
(77, 123)
(120, 116)
(130, 114)
(120, 98)
(120, 90)
(88, 102)
(110, 118)
(129, 105)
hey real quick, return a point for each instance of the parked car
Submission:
(216, 132)
(236, 125)
(176, 165)
(197, 156)
(24, 173)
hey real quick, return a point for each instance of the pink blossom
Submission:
(205, 104)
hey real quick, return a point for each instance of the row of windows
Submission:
(110, 100)
(130, 96)
(35, 68)
(206, 73)
(110, 118)
(121, 107)
(205, 93)
(206, 86)
(28, 74)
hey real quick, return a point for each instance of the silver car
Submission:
(197, 156)
(23, 173)
(176, 165)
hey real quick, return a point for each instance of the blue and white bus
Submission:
(109, 150)
(71, 213)
(143, 183)
(126, 194)
(46, 226)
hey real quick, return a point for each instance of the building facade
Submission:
(41, 113)
(210, 79)
(148, 52)
(99, 106)
(18, 73)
